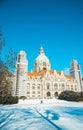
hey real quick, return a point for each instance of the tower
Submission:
(21, 74)
(75, 72)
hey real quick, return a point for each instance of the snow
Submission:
(38, 101)
(52, 114)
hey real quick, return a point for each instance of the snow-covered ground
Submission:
(52, 114)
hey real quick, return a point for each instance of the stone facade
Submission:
(75, 72)
(42, 82)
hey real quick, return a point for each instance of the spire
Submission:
(41, 50)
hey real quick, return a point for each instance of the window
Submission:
(68, 87)
(28, 85)
(48, 85)
(38, 92)
(75, 87)
(78, 67)
(21, 71)
(44, 64)
(48, 94)
(38, 86)
(19, 58)
(55, 86)
(71, 87)
(63, 86)
(33, 86)
(56, 94)
(33, 92)
(28, 92)
(33, 95)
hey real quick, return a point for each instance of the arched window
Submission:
(48, 94)
(63, 86)
(33, 86)
(33, 92)
(38, 86)
(19, 58)
(28, 92)
(28, 85)
(38, 92)
(71, 87)
(48, 85)
(55, 86)
(75, 87)
(56, 94)
(44, 65)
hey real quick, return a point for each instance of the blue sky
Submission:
(56, 24)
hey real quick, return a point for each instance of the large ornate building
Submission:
(43, 82)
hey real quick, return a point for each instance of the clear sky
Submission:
(56, 24)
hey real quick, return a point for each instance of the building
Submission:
(43, 82)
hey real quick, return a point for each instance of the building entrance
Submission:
(48, 94)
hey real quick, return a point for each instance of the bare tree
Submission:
(7, 68)
(10, 61)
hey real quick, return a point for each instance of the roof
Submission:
(68, 76)
(36, 74)
(32, 74)
(43, 72)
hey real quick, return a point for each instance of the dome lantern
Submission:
(41, 50)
